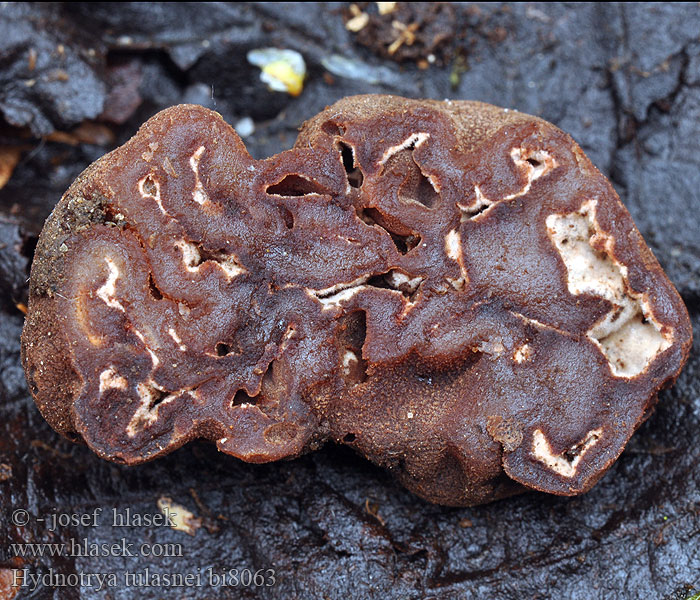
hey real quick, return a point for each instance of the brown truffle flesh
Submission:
(448, 287)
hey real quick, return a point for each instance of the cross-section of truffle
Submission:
(450, 288)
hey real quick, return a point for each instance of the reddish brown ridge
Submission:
(450, 288)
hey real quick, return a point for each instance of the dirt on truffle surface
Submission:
(621, 79)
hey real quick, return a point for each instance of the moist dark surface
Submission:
(635, 534)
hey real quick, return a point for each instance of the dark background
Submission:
(623, 79)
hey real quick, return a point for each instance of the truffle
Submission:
(450, 288)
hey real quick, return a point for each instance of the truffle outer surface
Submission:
(450, 288)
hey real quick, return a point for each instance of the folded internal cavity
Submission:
(629, 335)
